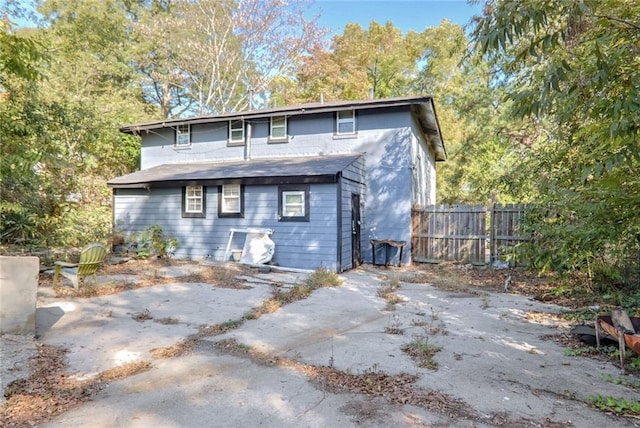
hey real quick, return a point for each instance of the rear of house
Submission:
(324, 179)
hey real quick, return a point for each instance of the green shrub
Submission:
(152, 242)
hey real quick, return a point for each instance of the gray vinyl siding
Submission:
(387, 140)
(389, 177)
(208, 142)
(399, 173)
(306, 245)
(314, 135)
(310, 135)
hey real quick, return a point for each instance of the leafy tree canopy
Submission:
(208, 56)
(571, 67)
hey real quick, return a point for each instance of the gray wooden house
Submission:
(325, 178)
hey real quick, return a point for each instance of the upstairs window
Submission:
(231, 200)
(193, 201)
(183, 136)
(278, 130)
(293, 203)
(236, 132)
(346, 122)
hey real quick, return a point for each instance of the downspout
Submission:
(113, 211)
(339, 215)
(247, 145)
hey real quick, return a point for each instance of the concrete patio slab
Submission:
(493, 357)
(107, 331)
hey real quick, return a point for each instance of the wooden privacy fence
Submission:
(466, 233)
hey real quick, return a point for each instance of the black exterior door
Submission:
(356, 254)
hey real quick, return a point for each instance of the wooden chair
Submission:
(91, 258)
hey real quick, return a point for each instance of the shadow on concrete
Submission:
(46, 318)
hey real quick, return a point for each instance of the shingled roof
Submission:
(291, 170)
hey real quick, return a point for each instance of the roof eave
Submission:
(428, 118)
(312, 108)
(276, 180)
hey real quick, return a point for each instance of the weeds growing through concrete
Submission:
(142, 316)
(185, 346)
(432, 326)
(485, 301)
(619, 406)
(250, 315)
(397, 389)
(196, 276)
(624, 381)
(394, 326)
(387, 292)
(166, 321)
(321, 277)
(422, 352)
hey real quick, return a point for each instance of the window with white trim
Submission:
(231, 200)
(293, 203)
(183, 136)
(236, 132)
(193, 201)
(345, 122)
(278, 129)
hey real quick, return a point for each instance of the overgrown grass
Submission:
(581, 314)
(585, 350)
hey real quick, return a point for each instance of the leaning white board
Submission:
(258, 248)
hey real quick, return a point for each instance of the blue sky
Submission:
(405, 14)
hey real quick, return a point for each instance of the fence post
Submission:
(492, 232)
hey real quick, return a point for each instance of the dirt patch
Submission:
(575, 292)
(469, 278)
